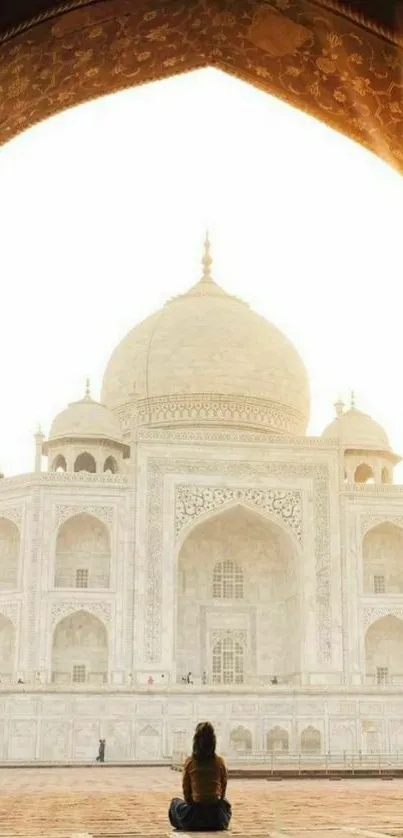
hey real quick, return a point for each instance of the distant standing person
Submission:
(204, 785)
(101, 751)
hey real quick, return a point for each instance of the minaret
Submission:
(39, 437)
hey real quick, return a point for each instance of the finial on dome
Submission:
(352, 400)
(207, 260)
(87, 388)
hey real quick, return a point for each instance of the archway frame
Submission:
(72, 513)
(300, 51)
(369, 523)
(299, 559)
(86, 607)
(377, 616)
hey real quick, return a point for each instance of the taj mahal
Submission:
(183, 550)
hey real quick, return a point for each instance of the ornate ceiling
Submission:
(339, 62)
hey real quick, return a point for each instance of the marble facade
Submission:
(179, 529)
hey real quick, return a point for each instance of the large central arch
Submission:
(238, 600)
(321, 56)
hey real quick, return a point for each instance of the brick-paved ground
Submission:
(56, 802)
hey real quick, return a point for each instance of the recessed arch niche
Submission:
(82, 553)
(263, 614)
(382, 555)
(80, 650)
(384, 651)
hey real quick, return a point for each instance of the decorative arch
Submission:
(364, 473)
(241, 739)
(237, 553)
(59, 463)
(382, 554)
(132, 44)
(82, 553)
(80, 649)
(9, 554)
(384, 651)
(85, 462)
(111, 464)
(311, 740)
(196, 504)
(277, 740)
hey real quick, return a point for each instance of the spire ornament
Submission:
(207, 260)
(87, 388)
(352, 400)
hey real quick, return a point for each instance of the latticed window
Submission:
(82, 578)
(78, 674)
(382, 675)
(227, 580)
(228, 661)
(379, 585)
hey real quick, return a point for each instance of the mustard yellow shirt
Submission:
(204, 781)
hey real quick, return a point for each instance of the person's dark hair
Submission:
(204, 742)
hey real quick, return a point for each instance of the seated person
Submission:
(204, 781)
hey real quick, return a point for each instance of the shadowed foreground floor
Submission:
(134, 801)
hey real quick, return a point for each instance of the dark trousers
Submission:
(199, 817)
(101, 758)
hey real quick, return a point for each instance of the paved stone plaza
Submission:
(103, 801)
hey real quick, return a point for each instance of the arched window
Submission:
(80, 650)
(228, 661)
(385, 475)
(85, 462)
(311, 741)
(227, 580)
(59, 463)
(83, 553)
(277, 739)
(241, 739)
(111, 465)
(364, 474)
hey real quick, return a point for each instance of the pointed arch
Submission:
(9, 554)
(263, 568)
(59, 463)
(277, 740)
(111, 465)
(85, 462)
(80, 649)
(241, 739)
(364, 473)
(82, 553)
(382, 554)
(311, 740)
(384, 651)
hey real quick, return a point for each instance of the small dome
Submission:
(355, 429)
(208, 343)
(86, 418)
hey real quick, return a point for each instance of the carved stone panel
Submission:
(191, 502)
(371, 615)
(21, 740)
(66, 510)
(63, 608)
(369, 521)
(54, 744)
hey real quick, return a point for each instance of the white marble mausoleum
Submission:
(187, 523)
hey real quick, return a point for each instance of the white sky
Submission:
(102, 217)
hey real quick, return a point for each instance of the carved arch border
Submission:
(64, 512)
(158, 469)
(372, 615)
(101, 610)
(186, 527)
(294, 49)
(370, 522)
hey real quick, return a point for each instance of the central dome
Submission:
(207, 345)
